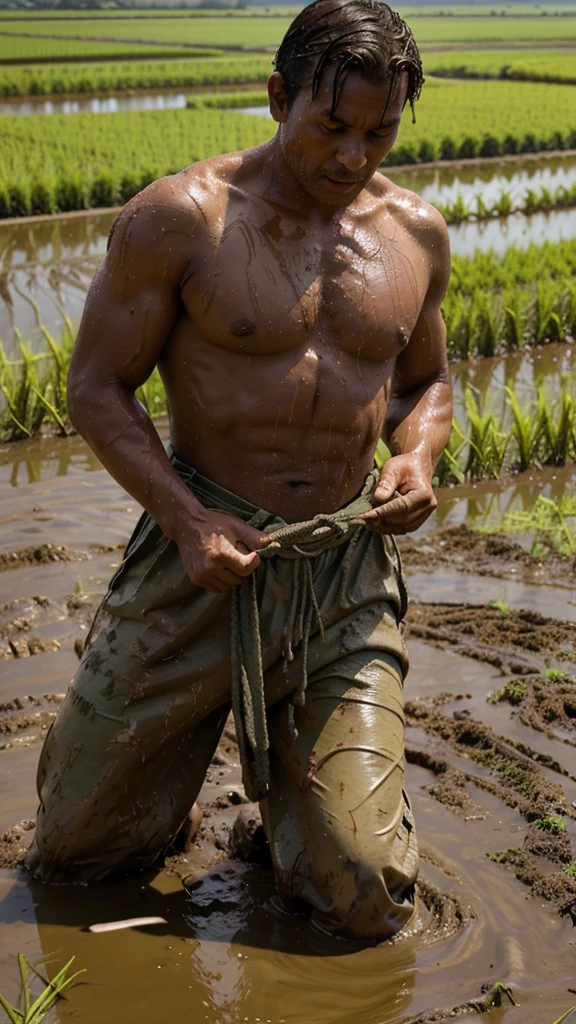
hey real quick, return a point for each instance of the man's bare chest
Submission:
(266, 287)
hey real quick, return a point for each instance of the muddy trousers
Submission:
(127, 755)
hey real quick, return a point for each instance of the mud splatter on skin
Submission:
(485, 554)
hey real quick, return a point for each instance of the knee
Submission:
(363, 902)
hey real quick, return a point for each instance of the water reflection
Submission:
(485, 503)
(444, 184)
(46, 265)
(95, 104)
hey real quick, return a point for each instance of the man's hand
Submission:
(219, 551)
(414, 499)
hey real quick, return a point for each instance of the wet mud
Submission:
(491, 772)
(486, 554)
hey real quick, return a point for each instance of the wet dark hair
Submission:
(349, 35)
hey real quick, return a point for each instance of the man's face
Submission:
(333, 154)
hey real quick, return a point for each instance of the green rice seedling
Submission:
(554, 823)
(570, 869)
(451, 465)
(153, 396)
(503, 205)
(482, 211)
(531, 202)
(526, 431)
(564, 1015)
(487, 442)
(557, 427)
(500, 606)
(512, 692)
(552, 524)
(554, 675)
(30, 1009)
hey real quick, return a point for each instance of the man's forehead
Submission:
(356, 88)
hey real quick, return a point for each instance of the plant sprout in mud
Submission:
(554, 823)
(551, 523)
(30, 1009)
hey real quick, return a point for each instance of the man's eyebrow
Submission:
(331, 116)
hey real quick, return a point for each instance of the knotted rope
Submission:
(301, 542)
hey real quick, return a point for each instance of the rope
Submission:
(301, 542)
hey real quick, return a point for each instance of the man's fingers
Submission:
(400, 507)
(252, 539)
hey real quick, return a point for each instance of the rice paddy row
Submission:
(199, 70)
(512, 65)
(493, 438)
(531, 202)
(21, 50)
(78, 161)
(501, 304)
(203, 70)
(259, 31)
(528, 297)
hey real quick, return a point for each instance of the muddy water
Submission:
(225, 955)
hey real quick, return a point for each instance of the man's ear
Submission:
(278, 97)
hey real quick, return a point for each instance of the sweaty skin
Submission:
(290, 296)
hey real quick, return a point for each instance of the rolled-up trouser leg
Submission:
(338, 820)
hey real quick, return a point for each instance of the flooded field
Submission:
(494, 903)
(46, 265)
(95, 104)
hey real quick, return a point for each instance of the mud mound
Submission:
(545, 844)
(515, 776)
(517, 642)
(448, 911)
(546, 703)
(14, 844)
(21, 617)
(41, 555)
(485, 554)
(25, 720)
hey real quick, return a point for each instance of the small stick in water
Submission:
(129, 922)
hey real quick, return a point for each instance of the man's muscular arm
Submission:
(131, 309)
(419, 413)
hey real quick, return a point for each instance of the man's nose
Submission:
(352, 154)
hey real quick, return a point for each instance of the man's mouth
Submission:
(337, 185)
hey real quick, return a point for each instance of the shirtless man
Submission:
(290, 296)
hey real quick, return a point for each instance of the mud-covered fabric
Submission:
(127, 755)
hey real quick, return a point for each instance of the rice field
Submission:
(68, 162)
(23, 49)
(77, 161)
(107, 77)
(528, 297)
(557, 65)
(259, 31)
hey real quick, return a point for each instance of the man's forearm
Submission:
(122, 435)
(420, 422)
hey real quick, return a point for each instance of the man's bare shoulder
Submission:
(421, 219)
(186, 202)
(421, 222)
